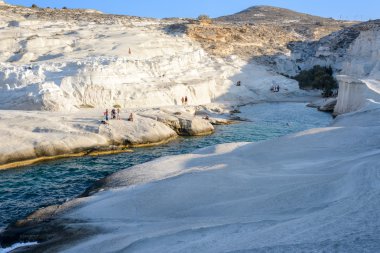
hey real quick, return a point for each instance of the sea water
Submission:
(27, 189)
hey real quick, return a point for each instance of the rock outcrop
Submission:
(182, 122)
(30, 137)
(328, 105)
(261, 32)
(338, 50)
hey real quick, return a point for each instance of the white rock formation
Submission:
(30, 135)
(360, 82)
(69, 64)
(181, 121)
(363, 55)
(328, 105)
(322, 194)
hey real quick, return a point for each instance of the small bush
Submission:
(318, 23)
(34, 6)
(205, 19)
(117, 106)
(86, 106)
(317, 78)
(64, 7)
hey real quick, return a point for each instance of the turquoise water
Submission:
(24, 190)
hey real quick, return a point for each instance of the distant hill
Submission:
(269, 14)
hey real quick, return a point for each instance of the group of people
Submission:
(184, 100)
(275, 88)
(115, 114)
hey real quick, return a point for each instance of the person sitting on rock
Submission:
(238, 83)
(130, 117)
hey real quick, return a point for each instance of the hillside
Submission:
(270, 14)
(70, 59)
(261, 31)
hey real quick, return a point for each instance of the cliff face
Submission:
(67, 59)
(333, 50)
(359, 83)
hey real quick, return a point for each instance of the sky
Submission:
(338, 9)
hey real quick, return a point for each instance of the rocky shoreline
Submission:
(63, 136)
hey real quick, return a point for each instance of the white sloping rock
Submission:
(30, 135)
(314, 196)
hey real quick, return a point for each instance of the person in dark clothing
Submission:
(113, 114)
(130, 117)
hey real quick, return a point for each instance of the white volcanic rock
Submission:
(246, 196)
(29, 135)
(360, 82)
(363, 56)
(33, 134)
(140, 131)
(181, 121)
(355, 94)
(68, 64)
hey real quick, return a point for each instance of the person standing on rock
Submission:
(182, 100)
(113, 113)
(106, 115)
(185, 100)
(129, 51)
(118, 113)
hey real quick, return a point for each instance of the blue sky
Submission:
(339, 9)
